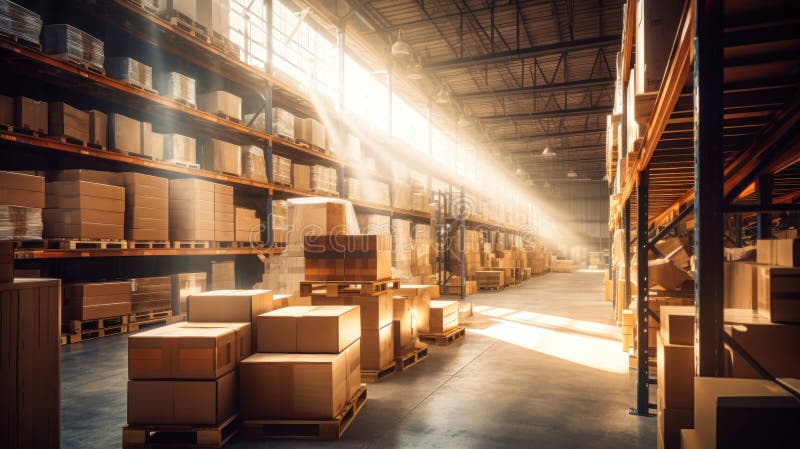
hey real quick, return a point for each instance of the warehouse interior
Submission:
(400, 223)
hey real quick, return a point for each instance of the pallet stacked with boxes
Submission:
(21, 204)
(443, 328)
(83, 210)
(402, 249)
(95, 309)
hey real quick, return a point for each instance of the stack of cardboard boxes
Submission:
(178, 148)
(151, 294)
(224, 228)
(281, 170)
(301, 176)
(221, 103)
(131, 71)
(253, 164)
(675, 374)
(490, 279)
(248, 225)
(67, 121)
(84, 210)
(282, 123)
(443, 316)
(176, 86)
(89, 301)
(191, 209)
(184, 285)
(311, 132)
(223, 157)
(30, 114)
(146, 207)
(22, 198)
(324, 179)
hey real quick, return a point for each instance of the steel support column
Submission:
(642, 305)
(266, 233)
(737, 229)
(626, 226)
(709, 193)
(764, 219)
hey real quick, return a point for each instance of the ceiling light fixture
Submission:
(547, 152)
(400, 48)
(605, 178)
(463, 121)
(571, 174)
(442, 96)
(415, 72)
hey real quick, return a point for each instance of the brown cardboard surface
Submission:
(277, 330)
(403, 329)
(30, 114)
(17, 189)
(187, 402)
(178, 352)
(243, 331)
(222, 156)
(301, 176)
(85, 188)
(124, 133)
(669, 423)
(779, 293)
(377, 348)
(328, 329)
(293, 386)
(771, 344)
(443, 316)
(229, 306)
(376, 311)
(65, 120)
(677, 324)
(675, 374)
(98, 128)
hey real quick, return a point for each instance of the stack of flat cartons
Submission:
(655, 19)
(221, 103)
(68, 43)
(675, 374)
(443, 316)
(30, 342)
(176, 86)
(377, 342)
(352, 189)
(281, 170)
(453, 286)
(191, 210)
(310, 131)
(193, 382)
(151, 294)
(84, 210)
(31, 115)
(22, 198)
(146, 207)
(178, 148)
(280, 222)
(183, 286)
(490, 279)
(222, 156)
(65, 121)
(743, 413)
(98, 128)
(131, 71)
(89, 301)
(224, 228)
(253, 164)
(311, 356)
(404, 326)
(248, 225)
(402, 249)
(301, 176)
(223, 275)
(324, 179)
(124, 133)
(628, 325)
(282, 123)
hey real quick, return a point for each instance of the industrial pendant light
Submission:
(605, 177)
(571, 174)
(547, 152)
(463, 121)
(415, 72)
(400, 48)
(442, 96)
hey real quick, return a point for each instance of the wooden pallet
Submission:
(420, 353)
(22, 130)
(171, 319)
(20, 41)
(149, 244)
(325, 192)
(339, 288)
(301, 429)
(27, 244)
(223, 43)
(496, 288)
(81, 64)
(97, 333)
(225, 116)
(372, 375)
(191, 244)
(185, 24)
(77, 326)
(132, 153)
(68, 139)
(183, 163)
(285, 137)
(140, 86)
(310, 146)
(184, 102)
(149, 315)
(176, 436)
(446, 338)
(85, 244)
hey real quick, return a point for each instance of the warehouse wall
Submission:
(584, 213)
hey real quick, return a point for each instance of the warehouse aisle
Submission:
(540, 367)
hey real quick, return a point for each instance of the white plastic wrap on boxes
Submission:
(177, 87)
(131, 71)
(352, 189)
(180, 148)
(281, 170)
(63, 39)
(324, 179)
(282, 123)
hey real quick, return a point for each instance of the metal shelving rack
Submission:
(722, 159)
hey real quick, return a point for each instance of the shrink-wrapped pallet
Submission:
(66, 41)
(131, 71)
(176, 86)
(281, 170)
(282, 123)
(20, 22)
(180, 148)
(253, 163)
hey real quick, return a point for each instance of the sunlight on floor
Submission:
(589, 344)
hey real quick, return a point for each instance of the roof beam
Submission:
(531, 52)
(546, 114)
(533, 137)
(547, 88)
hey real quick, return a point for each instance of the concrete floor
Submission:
(541, 366)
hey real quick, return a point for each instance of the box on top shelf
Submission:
(31, 114)
(176, 86)
(301, 176)
(130, 71)
(20, 22)
(222, 156)
(282, 123)
(176, 402)
(253, 163)
(656, 26)
(191, 209)
(179, 148)
(221, 102)
(214, 15)
(67, 41)
(88, 301)
(98, 128)
(66, 121)
(310, 131)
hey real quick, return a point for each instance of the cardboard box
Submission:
(6, 110)
(178, 352)
(220, 102)
(669, 423)
(243, 334)
(224, 227)
(222, 156)
(310, 131)
(146, 207)
(420, 296)
(90, 301)
(377, 347)
(376, 311)
(247, 225)
(31, 367)
(229, 306)
(316, 218)
(741, 284)
(182, 402)
(156, 148)
(191, 209)
(277, 330)
(779, 252)
(179, 148)
(84, 210)
(223, 275)
(677, 324)
(656, 25)
(124, 133)
(771, 344)
(253, 163)
(294, 386)
(183, 285)
(348, 257)
(403, 326)
(282, 123)
(31, 115)
(675, 374)
(328, 329)
(779, 294)
(752, 412)
(301, 176)
(18, 189)
(443, 316)
(215, 16)
(66, 121)
(98, 128)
